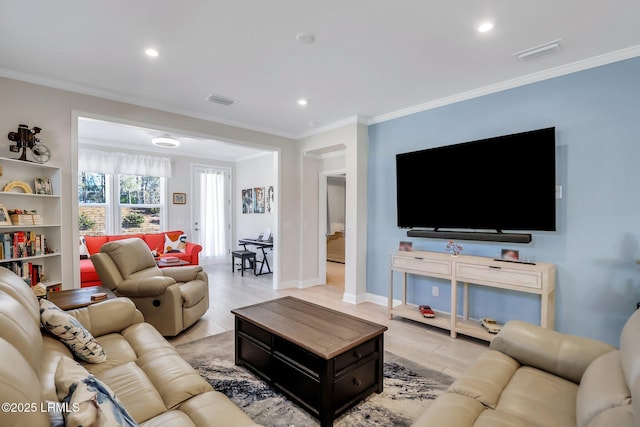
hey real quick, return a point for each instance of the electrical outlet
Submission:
(435, 291)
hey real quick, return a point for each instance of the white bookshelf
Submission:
(47, 206)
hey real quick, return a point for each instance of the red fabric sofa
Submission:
(155, 241)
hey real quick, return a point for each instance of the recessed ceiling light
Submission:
(165, 142)
(302, 102)
(305, 38)
(151, 52)
(484, 27)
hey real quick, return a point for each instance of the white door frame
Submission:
(322, 222)
(228, 213)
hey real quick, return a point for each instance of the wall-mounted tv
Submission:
(501, 183)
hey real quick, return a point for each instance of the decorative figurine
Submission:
(26, 138)
(454, 248)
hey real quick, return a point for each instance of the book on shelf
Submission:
(20, 244)
(29, 272)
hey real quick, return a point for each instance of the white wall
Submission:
(56, 112)
(256, 172)
(354, 140)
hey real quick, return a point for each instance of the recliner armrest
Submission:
(182, 274)
(145, 287)
(560, 354)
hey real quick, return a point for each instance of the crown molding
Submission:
(562, 70)
(334, 125)
(119, 97)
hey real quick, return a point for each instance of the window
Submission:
(93, 203)
(119, 204)
(140, 203)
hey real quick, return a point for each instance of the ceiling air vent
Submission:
(539, 50)
(222, 100)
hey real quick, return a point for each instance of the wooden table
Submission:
(324, 360)
(162, 264)
(77, 298)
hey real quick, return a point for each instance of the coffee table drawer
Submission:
(300, 384)
(354, 355)
(354, 383)
(255, 355)
(254, 332)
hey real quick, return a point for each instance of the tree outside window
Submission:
(93, 206)
(140, 203)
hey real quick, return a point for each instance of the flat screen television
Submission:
(501, 183)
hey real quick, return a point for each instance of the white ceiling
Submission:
(371, 58)
(120, 136)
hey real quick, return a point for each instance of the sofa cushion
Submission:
(175, 242)
(621, 416)
(19, 329)
(536, 395)
(88, 272)
(630, 349)
(135, 390)
(19, 384)
(90, 400)
(71, 332)
(602, 387)
(487, 378)
(83, 250)
(94, 243)
(451, 409)
(155, 241)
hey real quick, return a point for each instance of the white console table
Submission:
(538, 278)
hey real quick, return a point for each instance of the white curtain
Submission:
(121, 163)
(212, 212)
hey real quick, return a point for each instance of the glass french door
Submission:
(212, 212)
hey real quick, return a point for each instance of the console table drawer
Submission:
(506, 277)
(423, 265)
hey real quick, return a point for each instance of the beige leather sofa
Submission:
(537, 377)
(155, 385)
(171, 298)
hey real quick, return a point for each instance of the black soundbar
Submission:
(472, 235)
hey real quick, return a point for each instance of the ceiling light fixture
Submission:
(165, 142)
(539, 50)
(222, 100)
(485, 27)
(302, 102)
(151, 52)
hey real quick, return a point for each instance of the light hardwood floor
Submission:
(422, 344)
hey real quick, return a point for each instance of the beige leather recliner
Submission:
(171, 299)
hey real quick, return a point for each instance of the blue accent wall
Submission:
(596, 113)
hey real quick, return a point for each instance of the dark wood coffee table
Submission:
(77, 298)
(324, 360)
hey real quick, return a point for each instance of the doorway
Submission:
(332, 227)
(212, 212)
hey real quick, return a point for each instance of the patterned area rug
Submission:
(408, 389)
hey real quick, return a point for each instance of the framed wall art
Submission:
(179, 198)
